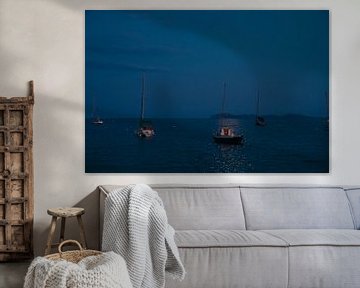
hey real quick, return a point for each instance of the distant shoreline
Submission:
(218, 116)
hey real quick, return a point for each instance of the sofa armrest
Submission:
(102, 197)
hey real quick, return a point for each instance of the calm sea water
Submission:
(291, 144)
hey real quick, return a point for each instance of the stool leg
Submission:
(82, 232)
(51, 235)
(62, 230)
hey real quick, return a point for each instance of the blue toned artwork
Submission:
(240, 91)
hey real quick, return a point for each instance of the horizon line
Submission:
(215, 116)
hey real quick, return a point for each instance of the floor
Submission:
(12, 274)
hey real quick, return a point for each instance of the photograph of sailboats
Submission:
(207, 91)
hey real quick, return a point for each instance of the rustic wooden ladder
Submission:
(16, 176)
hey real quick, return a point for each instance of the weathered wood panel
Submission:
(16, 177)
(2, 117)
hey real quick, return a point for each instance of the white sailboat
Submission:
(260, 121)
(96, 118)
(146, 129)
(225, 134)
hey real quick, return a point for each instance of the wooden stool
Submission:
(64, 213)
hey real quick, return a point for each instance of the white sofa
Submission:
(264, 237)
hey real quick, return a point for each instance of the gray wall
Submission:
(44, 41)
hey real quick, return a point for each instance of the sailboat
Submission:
(260, 121)
(96, 119)
(225, 134)
(146, 128)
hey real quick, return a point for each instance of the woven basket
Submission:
(72, 256)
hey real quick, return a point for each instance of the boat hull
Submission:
(145, 133)
(231, 140)
(260, 121)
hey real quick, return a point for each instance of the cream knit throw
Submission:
(103, 271)
(136, 227)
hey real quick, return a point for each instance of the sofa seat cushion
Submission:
(233, 267)
(317, 237)
(322, 258)
(225, 238)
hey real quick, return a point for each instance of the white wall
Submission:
(43, 40)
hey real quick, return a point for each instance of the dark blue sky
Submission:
(187, 55)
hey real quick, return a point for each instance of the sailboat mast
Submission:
(142, 97)
(93, 106)
(223, 102)
(223, 105)
(258, 103)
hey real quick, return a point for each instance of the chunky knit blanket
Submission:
(102, 271)
(136, 227)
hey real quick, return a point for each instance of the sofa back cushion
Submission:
(296, 208)
(203, 208)
(354, 198)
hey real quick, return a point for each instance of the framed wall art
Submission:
(240, 91)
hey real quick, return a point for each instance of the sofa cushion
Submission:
(324, 266)
(226, 238)
(322, 258)
(315, 237)
(296, 208)
(191, 208)
(220, 267)
(198, 206)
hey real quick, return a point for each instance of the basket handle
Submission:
(69, 241)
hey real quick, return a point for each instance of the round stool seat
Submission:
(66, 211)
